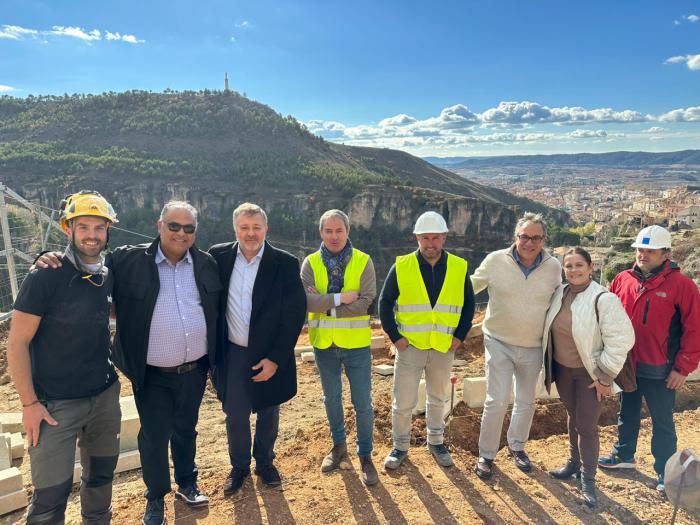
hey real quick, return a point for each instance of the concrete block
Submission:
(127, 461)
(131, 424)
(298, 350)
(377, 342)
(308, 357)
(13, 501)
(459, 362)
(695, 376)
(420, 406)
(474, 391)
(475, 331)
(542, 391)
(10, 480)
(11, 422)
(384, 370)
(17, 444)
(5, 451)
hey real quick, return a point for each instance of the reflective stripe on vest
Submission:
(344, 332)
(427, 327)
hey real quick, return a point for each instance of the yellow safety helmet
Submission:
(85, 203)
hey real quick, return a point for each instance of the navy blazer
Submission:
(277, 316)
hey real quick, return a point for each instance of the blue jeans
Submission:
(660, 401)
(357, 363)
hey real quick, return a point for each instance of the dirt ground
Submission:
(420, 492)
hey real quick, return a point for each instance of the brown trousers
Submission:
(583, 409)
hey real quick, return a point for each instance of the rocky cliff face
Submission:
(382, 218)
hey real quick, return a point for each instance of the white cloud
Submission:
(397, 120)
(244, 25)
(6, 89)
(519, 114)
(129, 39)
(587, 133)
(232, 39)
(77, 32)
(17, 32)
(692, 18)
(89, 36)
(654, 130)
(691, 114)
(692, 61)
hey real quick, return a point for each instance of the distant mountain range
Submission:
(618, 159)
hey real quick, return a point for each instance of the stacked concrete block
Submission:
(695, 376)
(11, 422)
(383, 370)
(308, 357)
(5, 451)
(377, 342)
(17, 443)
(12, 494)
(298, 350)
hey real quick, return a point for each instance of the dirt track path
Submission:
(420, 492)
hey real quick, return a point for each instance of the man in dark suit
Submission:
(261, 317)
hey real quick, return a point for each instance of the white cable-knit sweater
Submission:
(517, 305)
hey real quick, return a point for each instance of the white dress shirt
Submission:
(240, 297)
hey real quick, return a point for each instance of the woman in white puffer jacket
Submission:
(584, 352)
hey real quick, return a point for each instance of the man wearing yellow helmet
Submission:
(59, 359)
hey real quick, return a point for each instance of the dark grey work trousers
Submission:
(94, 422)
(583, 409)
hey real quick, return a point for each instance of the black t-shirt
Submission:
(70, 352)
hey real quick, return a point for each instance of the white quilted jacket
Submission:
(604, 346)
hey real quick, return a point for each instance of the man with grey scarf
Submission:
(340, 287)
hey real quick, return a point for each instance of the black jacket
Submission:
(136, 288)
(277, 316)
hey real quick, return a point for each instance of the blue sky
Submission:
(432, 78)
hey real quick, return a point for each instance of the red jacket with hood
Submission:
(665, 313)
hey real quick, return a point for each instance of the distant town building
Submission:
(689, 217)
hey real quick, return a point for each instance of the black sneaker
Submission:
(192, 496)
(155, 512)
(520, 459)
(235, 480)
(269, 475)
(484, 468)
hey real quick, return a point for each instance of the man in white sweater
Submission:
(521, 281)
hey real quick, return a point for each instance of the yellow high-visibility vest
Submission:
(344, 332)
(427, 327)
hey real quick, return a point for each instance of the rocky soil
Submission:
(420, 491)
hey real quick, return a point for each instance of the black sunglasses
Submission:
(176, 227)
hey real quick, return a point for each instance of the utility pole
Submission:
(5, 224)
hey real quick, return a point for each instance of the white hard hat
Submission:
(653, 237)
(430, 222)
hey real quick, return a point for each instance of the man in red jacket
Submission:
(664, 306)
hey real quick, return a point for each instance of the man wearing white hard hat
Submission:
(521, 282)
(426, 308)
(664, 306)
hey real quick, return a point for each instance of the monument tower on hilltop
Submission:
(226, 88)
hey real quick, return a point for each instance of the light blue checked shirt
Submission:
(178, 329)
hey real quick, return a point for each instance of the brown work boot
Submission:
(338, 453)
(369, 474)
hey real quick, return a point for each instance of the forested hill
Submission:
(219, 148)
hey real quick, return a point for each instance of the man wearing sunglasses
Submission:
(166, 297)
(521, 281)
